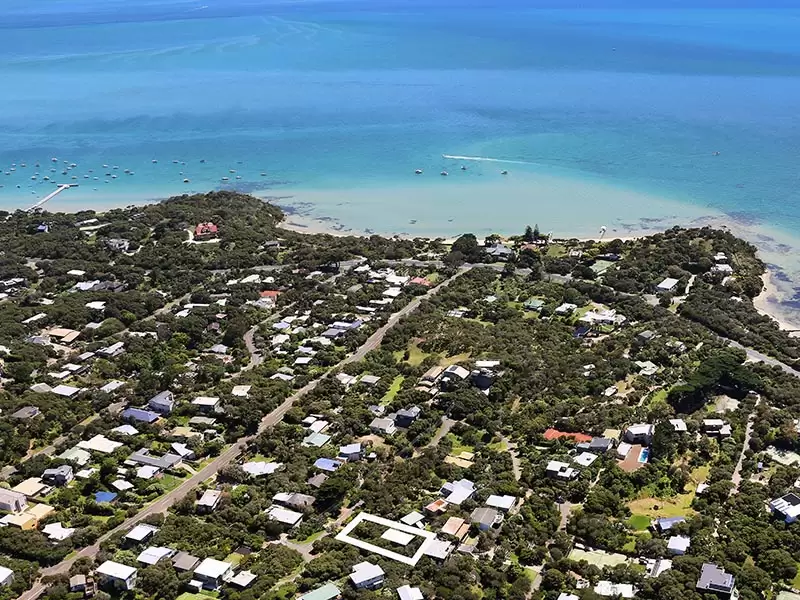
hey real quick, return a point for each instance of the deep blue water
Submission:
(359, 93)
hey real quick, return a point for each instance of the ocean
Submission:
(602, 113)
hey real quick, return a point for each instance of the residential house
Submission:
(406, 416)
(452, 375)
(350, 452)
(457, 491)
(153, 554)
(678, 544)
(716, 580)
(679, 425)
(162, 403)
(567, 308)
(116, 575)
(59, 476)
(716, 427)
(615, 590)
(284, 515)
(667, 286)
(326, 592)
(382, 426)
(666, 523)
(597, 445)
(183, 562)
(560, 470)
(212, 572)
(645, 337)
(11, 501)
(140, 415)
(503, 503)
(207, 404)
(367, 576)
(640, 433)
(294, 500)
(209, 500)
(485, 518)
(406, 592)
(112, 350)
(787, 507)
(141, 533)
(25, 413)
(166, 462)
(205, 231)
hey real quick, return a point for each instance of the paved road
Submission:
(444, 429)
(761, 357)
(228, 456)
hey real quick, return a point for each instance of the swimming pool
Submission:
(644, 455)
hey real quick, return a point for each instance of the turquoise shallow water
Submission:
(342, 97)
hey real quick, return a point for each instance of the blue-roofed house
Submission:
(327, 464)
(666, 523)
(104, 497)
(141, 415)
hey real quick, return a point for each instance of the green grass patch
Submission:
(700, 474)
(500, 446)
(556, 250)
(630, 546)
(796, 580)
(393, 390)
(639, 522)
(458, 445)
(234, 558)
(452, 360)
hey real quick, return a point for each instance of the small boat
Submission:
(238, 177)
(418, 172)
(463, 167)
(54, 159)
(23, 165)
(185, 181)
(444, 173)
(113, 177)
(174, 162)
(154, 161)
(74, 176)
(503, 172)
(225, 179)
(202, 160)
(232, 171)
(33, 176)
(46, 178)
(263, 174)
(715, 154)
(105, 166)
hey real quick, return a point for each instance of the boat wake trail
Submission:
(488, 159)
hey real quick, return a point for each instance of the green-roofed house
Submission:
(534, 304)
(326, 592)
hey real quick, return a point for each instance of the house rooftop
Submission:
(115, 570)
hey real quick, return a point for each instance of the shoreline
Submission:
(768, 301)
(776, 248)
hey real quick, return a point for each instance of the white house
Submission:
(367, 576)
(668, 285)
(211, 573)
(117, 575)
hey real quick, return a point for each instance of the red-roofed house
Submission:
(555, 434)
(270, 294)
(205, 231)
(420, 281)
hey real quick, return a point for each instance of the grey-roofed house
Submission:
(598, 445)
(716, 580)
(168, 461)
(405, 417)
(485, 518)
(294, 500)
(162, 403)
(667, 523)
(382, 426)
(183, 561)
(26, 412)
(317, 480)
(58, 476)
